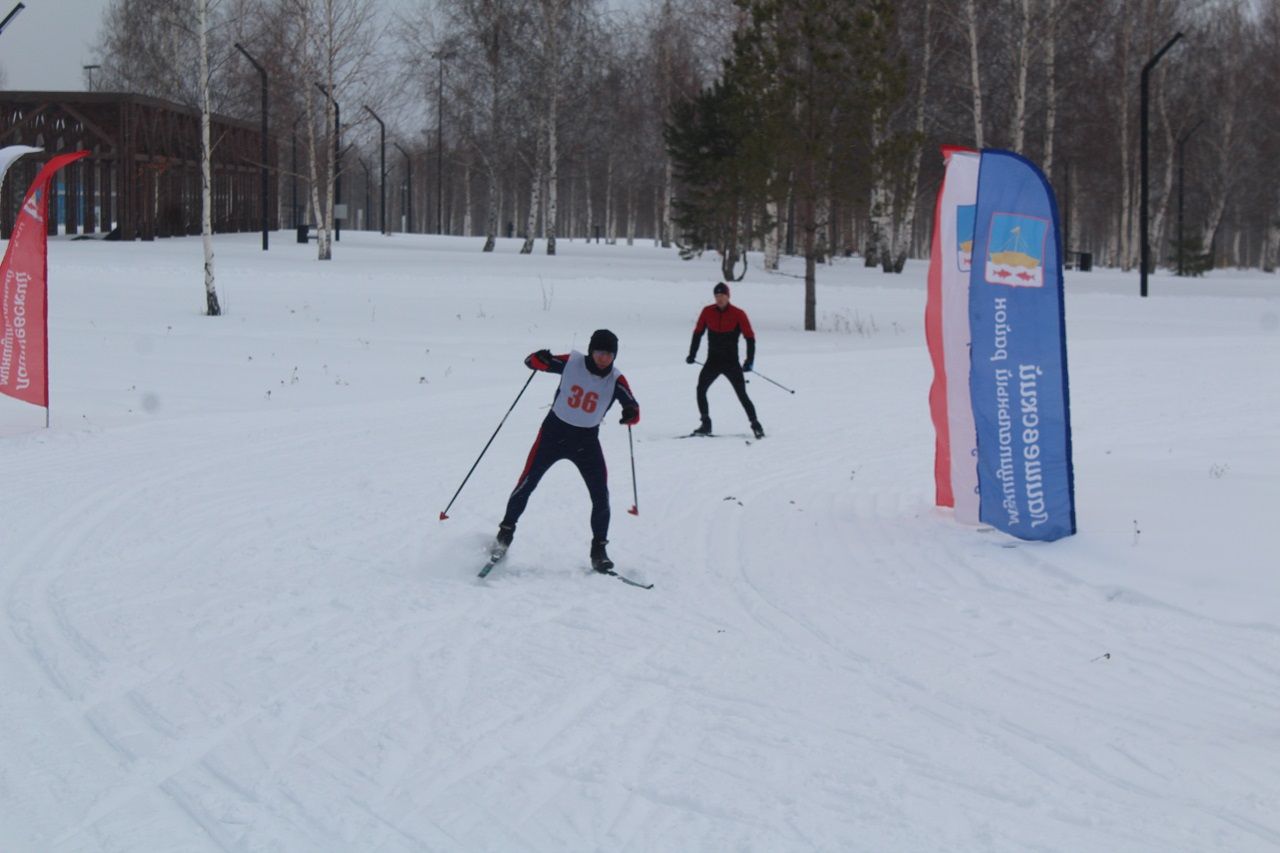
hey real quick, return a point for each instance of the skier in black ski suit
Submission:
(723, 323)
(589, 385)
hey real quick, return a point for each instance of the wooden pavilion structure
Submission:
(142, 180)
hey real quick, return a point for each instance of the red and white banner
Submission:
(24, 340)
(947, 333)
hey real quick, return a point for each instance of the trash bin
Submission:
(303, 233)
(1086, 262)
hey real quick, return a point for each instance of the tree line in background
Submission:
(805, 127)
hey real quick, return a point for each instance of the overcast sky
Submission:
(46, 45)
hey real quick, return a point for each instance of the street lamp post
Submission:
(368, 179)
(440, 55)
(12, 14)
(408, 191)
(262, 72)
(1182, 141)
(89, 69)
(337, 174)
(1145, 216)
(382, 169)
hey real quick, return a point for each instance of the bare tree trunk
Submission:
(1220, 187)
(810, 289)
(212, 308)
(591, 216)
(553, 169)
(610, 216)
(902, 241)
(1271, 248)
(571, 209)
(657, 216)
(879, 212)
(668, 183)
(631, 213)
(493, 59)
(313, 171)
(1126, 145)
(535, 189)
(491, 227)
(1050, 85)
(771, 237)
(975, 75)
(1018, 125)
(1166, 192)
(467, 203)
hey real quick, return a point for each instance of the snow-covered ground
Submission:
(232, 619)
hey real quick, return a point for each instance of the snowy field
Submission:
(233, 621)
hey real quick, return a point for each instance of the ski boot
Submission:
(704, 428)
(599, 558)
(501, 542)
(757, 429)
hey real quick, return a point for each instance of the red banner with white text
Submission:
(24, 341)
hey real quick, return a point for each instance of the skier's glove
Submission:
(691, 359)
(630, 416)
(747, 365)
(541, 359)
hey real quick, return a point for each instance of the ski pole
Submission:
(444, 514)
(779, 384)
(635, 496)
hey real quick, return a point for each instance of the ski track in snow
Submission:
(241, 628)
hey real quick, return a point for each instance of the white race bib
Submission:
(583, 396)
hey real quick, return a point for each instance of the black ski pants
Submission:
(580, 445)
(731, 370)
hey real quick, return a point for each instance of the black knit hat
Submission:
(603, 340)
(721, 288)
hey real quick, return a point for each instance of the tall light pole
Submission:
(382, 169)
(440, 55)
(1182, 141)
(262, 72)
(89, 69)
(1145, 216)
(12, 14)
(368, 179)
(408, 191)
(294, 182)
(337, 174)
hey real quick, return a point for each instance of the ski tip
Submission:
(634, 510)
(443, 517)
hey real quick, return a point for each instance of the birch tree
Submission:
(1269, 62)
(212, 308)
(1022, 68)
(150, 47)
(1226, 78)
(334, 40)
(1050, 84)
(478, 37)
(975, 69)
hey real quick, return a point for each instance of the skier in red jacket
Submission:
(723, 323)
(589, 385)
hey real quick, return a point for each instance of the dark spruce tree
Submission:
(718, 172)
(824, 79)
